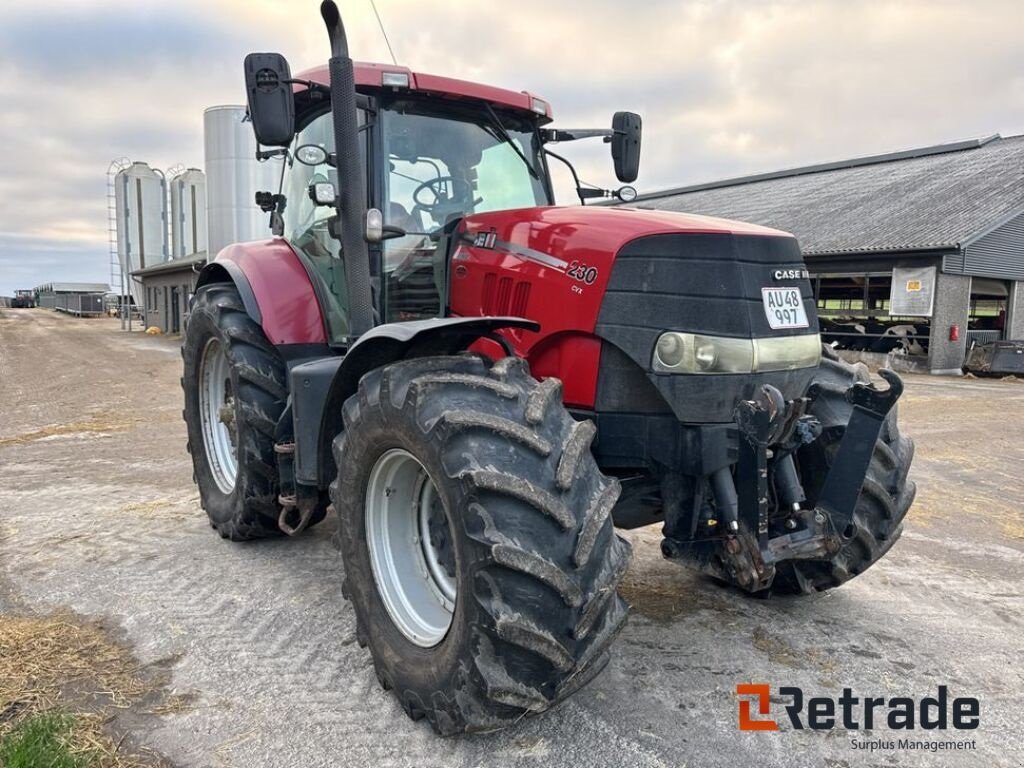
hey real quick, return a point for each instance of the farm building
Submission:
(915, 253)
(82, 299)
(167, 288)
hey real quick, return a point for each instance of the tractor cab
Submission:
(432, 151)
(428, 164)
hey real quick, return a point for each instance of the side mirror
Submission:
(271, 102)
(626, 130)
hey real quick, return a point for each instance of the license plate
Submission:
(784, 308)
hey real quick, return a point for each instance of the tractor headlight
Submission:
(786, 353)
(696, 353)
(671, 348)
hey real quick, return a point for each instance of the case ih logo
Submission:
(485, 239)
(791, 274)
(854, 713)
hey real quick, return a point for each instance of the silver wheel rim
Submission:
(410, 548)
(217, 411)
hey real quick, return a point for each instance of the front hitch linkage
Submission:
(841, 490)
(768, 420)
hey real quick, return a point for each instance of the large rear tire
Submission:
(235, 391)
(885, 497)
(479, 551)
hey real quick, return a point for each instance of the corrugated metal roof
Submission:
(73, 287)
(185, 262)
(929, 198)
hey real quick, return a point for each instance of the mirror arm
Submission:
(363, 101)
(311, 85)
(266, 154)
(555, 135)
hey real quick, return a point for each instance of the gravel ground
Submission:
(98, 514)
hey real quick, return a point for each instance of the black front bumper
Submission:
(697, 283)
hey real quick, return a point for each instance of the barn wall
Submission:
(166, 298)
(952, 304)
(1015, 311)
(999, 254)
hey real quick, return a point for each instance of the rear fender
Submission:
(314, 461)
(275, 287)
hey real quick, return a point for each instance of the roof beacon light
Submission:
(394, 79)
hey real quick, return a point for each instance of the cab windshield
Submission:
(441, 167)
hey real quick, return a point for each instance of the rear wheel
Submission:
(885, 497)
(475, 528)
(235, 391)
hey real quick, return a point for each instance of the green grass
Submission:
(42, 741)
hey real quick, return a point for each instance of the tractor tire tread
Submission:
(543, 607)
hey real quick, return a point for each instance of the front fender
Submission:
(314, 461)
(275, 287)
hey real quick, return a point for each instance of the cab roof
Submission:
(370, 75)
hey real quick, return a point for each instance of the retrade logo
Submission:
(854, 713)
(762, 694)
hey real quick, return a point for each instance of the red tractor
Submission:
(23, 299)
(484, 385)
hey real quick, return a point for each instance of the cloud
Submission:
(725, 87)
(82, 42)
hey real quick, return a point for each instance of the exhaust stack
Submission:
(349, 224)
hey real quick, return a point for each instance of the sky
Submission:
(725, 87)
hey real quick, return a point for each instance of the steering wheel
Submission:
(441, 197)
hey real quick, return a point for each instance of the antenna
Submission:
(380, 23)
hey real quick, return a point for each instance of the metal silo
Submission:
(140, 195)
(233, 177)
(188, 213)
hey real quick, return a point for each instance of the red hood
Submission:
(565, 230)
(554, 265)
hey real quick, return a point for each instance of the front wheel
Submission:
(475, 528)
(235, 391)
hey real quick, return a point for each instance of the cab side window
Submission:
(305, 224)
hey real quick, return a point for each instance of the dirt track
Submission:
(98, 514)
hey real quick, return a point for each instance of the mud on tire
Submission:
(537, 559)
(258, 385)
(885, 496)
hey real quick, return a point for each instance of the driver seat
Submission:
(398, 216)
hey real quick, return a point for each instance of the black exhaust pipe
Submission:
(350, 225)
